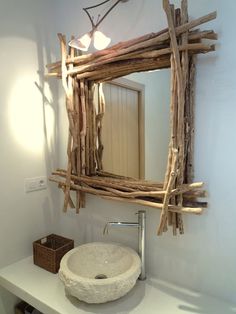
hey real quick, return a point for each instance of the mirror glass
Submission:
(136, 125)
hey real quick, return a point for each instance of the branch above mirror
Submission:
(148, 52)
(174, 48)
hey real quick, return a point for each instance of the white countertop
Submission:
(45, 292)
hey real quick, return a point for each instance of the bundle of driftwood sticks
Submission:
(174, 47)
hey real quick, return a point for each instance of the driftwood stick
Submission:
(107, 194)
(136, 194)
(192, 195)
(173, 129)
(169, 187)
(163, 37)
(90, 57)
(172, 208)
(195, 47)
(182, 134)
(125, 66)
(189, 170)
(193, 36)
(94, 181)
(93, 71)
(130, 181)
(177, 17)
(85, 189)
(99, 118)
(126, 70)
(171, 217)
(158, 194)
(103, 173)
(176, 55)
(72, 141)
(192, 203)
(68, 174)
(173, 107)
(197, 36)
(184, 39)
(107, 56)
(94, 144)
(71, 204)
(82, 135)
(190, 189)
(182, 112)
(71, 111)
(181, 98)
(124, 180)
(208, 34)
(178, 223)
(83, 130)
(63, 62)
(87, 110)
(187, 188)
(92, 140)
(77, 128)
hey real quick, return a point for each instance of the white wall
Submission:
(27, 43)
(205, 257)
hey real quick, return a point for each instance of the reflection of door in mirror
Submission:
(123, 132)
(123, 126)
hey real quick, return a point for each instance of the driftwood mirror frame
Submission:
(174, 48)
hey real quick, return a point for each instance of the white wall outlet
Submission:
(35, 184)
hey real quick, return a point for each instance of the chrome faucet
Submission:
(141, 224)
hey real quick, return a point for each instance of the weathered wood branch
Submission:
(110, 195)
(142, 42)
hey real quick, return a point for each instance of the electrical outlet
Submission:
(35, 184)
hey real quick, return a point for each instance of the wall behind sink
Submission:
(204, 257)
(27, 43)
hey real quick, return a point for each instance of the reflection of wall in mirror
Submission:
(121, 136)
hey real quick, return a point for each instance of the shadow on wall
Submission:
(193, 302)
(50, 120)
(45, 88)
(39, 41)
(28, 40)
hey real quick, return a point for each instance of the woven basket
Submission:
(49, 251)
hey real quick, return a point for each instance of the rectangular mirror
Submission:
(131, 127)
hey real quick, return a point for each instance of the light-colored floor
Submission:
(46, 292)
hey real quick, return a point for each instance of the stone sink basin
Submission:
(99, 272)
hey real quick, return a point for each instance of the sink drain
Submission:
(101, 276)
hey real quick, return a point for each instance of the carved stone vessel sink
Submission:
(99, 272)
